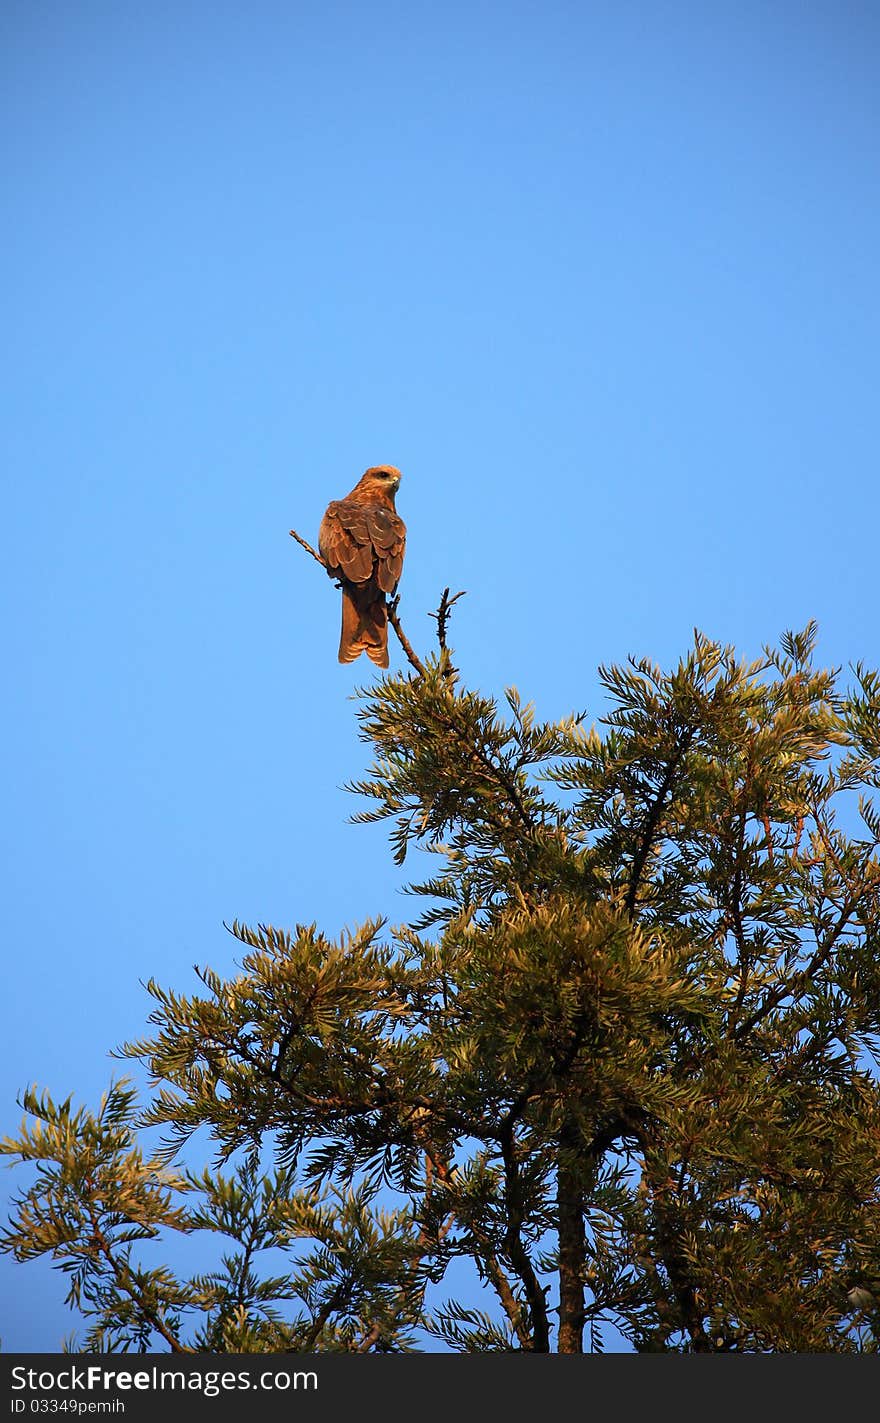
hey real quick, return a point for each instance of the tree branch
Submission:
(126, 1281)
(441, 617)
(404, 641)
(651, 823)
(308, 548)
(743, 954)
(668, 1236)
(394, 620)
(517, 1252)
(822, 953)
(319, 1320)
(495, 1274)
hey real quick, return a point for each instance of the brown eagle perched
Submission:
(362, 540)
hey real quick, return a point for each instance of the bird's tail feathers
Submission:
(364, 628)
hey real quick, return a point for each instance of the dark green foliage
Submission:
(624, 1063)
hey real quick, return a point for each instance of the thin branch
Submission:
(127, 1282)
(668, 1237)
(320, 1319)
(308, 548)
(412, 657)
(392, 607)
(800, 980)
(441, 617)
(402, 637)
(743, 955)
(516, 1251)
(649, 1262)
(824, 950)
(489, 1259)
(652, 822)
(372, 1336)
(799, 830)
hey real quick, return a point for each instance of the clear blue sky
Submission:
(601, 278)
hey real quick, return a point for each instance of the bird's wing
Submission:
(345, 543)
(388, 537)
(359, 540)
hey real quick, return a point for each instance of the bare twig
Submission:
(392, 607)
(308, 547)
(441, 617)
(402, 637)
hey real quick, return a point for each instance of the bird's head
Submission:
(377, 485)
(382, 476)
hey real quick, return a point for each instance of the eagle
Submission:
(362, 540)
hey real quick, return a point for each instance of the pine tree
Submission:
(624, 1062)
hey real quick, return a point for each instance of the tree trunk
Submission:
(572, 1251)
